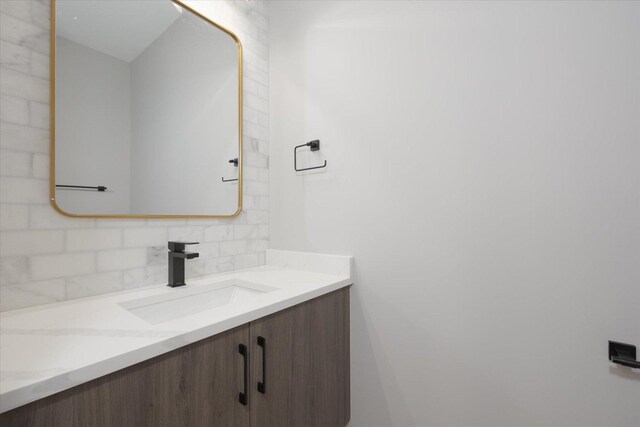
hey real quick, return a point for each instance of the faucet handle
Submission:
(179, 246)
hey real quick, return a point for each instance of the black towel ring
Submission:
(314, 146)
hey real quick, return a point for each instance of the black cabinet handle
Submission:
(242, 397)
(262, 385)
(623, 354)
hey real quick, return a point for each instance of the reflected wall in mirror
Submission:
(147, 103)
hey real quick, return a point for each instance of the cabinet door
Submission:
(194, 386)
(305, 350)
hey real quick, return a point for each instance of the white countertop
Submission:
(47, 349)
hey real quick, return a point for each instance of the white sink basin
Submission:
(188, 300)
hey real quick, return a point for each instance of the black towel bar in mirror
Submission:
(314, 146)
(235, 163)
(83, 187)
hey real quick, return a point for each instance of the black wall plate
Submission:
(623, 354)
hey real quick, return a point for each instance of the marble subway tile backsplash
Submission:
(46, 257)
(61, 265)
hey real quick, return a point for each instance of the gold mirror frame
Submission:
(52, 106)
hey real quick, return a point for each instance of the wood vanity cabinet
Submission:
(306, 365)
(196, 385)
(300, 356)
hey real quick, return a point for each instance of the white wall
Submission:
(483, 170)
(93, 129)
(45, 257)
(185, 122)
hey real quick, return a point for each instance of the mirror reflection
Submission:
(147, 111)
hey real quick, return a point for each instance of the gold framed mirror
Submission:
(146, 111)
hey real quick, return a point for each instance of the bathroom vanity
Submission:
(262, 347)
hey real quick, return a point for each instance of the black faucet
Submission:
(177, 255)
